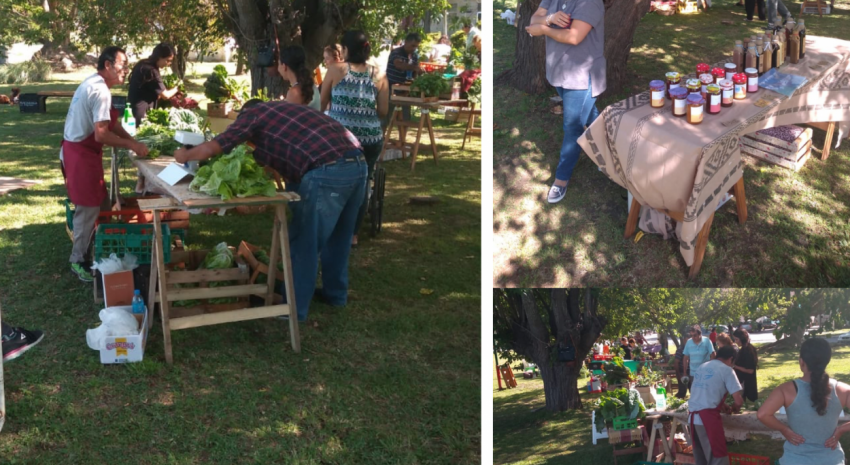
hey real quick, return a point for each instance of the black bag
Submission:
(567, 353)
(265, 56)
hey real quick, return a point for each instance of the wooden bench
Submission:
(37, 102)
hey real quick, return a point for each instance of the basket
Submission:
(624, 423)
(136, 239)
(742, 459)
(219, 110)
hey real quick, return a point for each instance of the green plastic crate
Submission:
(624, 423)
(136, 239)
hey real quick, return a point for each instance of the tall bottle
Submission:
(738, 56)
(789, 29)
(751, 60)
(794, 47)
(760, 53)
(138, 303)
(802, 27)
(128, 121)
(779, 57)
(767, 55)
(745, 43)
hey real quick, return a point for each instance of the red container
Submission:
(703, 68)
(718, 74)
(741, 459)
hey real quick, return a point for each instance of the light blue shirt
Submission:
(699, 353)
(806, 422)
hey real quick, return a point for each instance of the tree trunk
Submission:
(560, 385)
(178, 65)
(620, 25)
(240, 63)
(274, 86)
(529, 71)
(662, 339)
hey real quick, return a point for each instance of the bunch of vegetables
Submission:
(233, 175)
(430, 85)
(158, 128)
(616, 372)
(618, 403)
(474, 92)
(647, 377)
(219, 258)
(219, 88)
(172, 80)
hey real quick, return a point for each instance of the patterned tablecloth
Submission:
(670, 165)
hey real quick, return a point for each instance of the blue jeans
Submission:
(321, 227)
(371, 152)
(579, 111)
(772, 6)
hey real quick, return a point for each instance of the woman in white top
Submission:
(441, 51)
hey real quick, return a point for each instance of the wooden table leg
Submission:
(402, 134)
(431, 135)
(152, 286)
(294, 334)
(670, 442)
(634, 217)
(388, 134)
(273, 257)
(651, 445)
(470, 123)
(699, 250)
(163, 287)
(827, 142)
(416, 143)
(740, 200)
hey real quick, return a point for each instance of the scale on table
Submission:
(175, 172)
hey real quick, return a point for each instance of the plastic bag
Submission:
(113, 264)
(116, 321)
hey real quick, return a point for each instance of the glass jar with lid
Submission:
(656, 93)
(703, 68)
(718, 74)
(679, 94)
(705, 79)
(752, 80)
(740, 81)
(673, 81)
(694, 86)
(731, 70)
(696, 108)
(727, 91)
(712, 99)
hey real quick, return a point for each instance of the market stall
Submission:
(681, 171)
(180, 197)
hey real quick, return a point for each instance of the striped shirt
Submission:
(395, 75)
(354, 103)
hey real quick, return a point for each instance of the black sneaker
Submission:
(557, 193)
(20, 341)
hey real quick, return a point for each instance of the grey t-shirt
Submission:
(711, 382)
(90, 105)
(571, 66)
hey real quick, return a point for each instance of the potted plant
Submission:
(428, 87)
(646, 383)
(617, 375)
(221, 90)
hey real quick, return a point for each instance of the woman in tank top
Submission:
(358, 97)
(813, 404)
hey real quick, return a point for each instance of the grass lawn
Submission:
(388, 379)
(797, 233)
(524, 433)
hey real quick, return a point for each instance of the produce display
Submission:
(430, 85)
(158, 128)
(618, 403)
(233, 175)
(219, 88)
(219, 258)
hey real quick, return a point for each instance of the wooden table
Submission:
(668, 442)
(397, 121)
(181, 198)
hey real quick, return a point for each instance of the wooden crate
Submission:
(246, 252)
(183, 269)
(219, 110)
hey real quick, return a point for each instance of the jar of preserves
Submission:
(656, 93)
(718, 74)
(727, 90)
(705, 79)
(694, 86)
(679, 94)
(752, 80)
(673, 81)
(696, 108)
(713, 99)
(703, 68)
(740, 81)
(731, 70)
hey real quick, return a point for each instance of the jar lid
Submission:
(751, 71)
(695, 99)
(703, 67)
(718, 72)
(712, 88)
(678, 92)
(730, 66)
(727, 83)
(740, 78)
(694, 82)
(656, 83)
(706, 78)
(672, 75)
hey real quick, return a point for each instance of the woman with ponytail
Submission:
(293, 68)
(357, 95)
(813, 404)
(746, 362)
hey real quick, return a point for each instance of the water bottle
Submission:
(660, 398)
(128, 122)
(138, 303)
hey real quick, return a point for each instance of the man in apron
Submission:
(90, 124)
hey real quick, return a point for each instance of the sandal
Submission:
(557, 110)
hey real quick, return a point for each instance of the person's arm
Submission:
(843, 392)
(168, 93)
(739, 401)
(327, 87)
(542, 16)
(103, 135)
(686, 363)
(383, 97)
(573, 36)
(767, 412)
(204, 151)
(121, 132)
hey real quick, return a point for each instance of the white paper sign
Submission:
(173, 174)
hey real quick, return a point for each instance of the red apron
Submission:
(83, 165)
(714, 429)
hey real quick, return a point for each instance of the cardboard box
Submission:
(118, 288)
(127, 349)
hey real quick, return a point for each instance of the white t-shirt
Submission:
(473, 31)
(90, 105)
(711, 381)
(440, 52)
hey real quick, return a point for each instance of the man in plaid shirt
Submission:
(322, 162)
